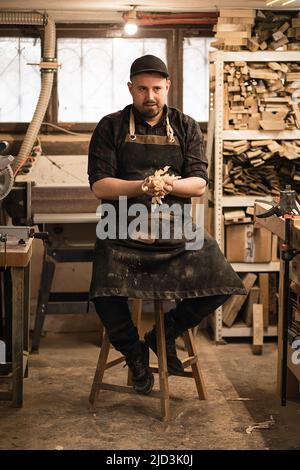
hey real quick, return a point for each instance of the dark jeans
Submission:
(116, 318)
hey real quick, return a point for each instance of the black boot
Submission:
(142, 376)
(175, 366)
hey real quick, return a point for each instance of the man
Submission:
(126, 148)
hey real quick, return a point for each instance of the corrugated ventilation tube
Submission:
(47, 74)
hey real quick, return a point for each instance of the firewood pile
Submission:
(245, 30)
(262, 95)
(261, 167)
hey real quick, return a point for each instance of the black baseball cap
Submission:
(150, 64)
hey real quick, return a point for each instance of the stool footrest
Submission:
(189, 361)
(186, 373)
(114, 362)
(125, 389)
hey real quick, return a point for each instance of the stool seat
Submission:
(161, 368)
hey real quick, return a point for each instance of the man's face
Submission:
(149, 93)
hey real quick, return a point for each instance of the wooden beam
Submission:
(258, 333)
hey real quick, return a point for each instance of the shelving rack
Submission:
(220, 201)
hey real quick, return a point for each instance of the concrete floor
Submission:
(55, 413)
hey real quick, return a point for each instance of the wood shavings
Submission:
(157, 179)
(264, 425)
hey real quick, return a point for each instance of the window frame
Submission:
(19, 32)
(174, 34)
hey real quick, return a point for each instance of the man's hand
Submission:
(168, 184)
(151, 189)
(148, 187)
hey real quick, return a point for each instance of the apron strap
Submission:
(132, 136)
(170, 132)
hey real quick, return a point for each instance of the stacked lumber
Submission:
(262, 95)
(260, 290)
(260, 167)
(234, 29)
(274, 31)
(246, 30)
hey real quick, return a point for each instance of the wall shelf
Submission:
(222, 201)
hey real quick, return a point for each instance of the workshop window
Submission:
(92, 80)
(196, 77)
(20, 82)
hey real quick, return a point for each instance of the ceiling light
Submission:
(131, 25)
(283, 2)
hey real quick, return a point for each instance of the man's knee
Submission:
(109, 308)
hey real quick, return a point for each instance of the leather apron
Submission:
(157, 268)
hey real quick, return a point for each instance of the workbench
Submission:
(277, 226)
(15, 265)
(56, 196)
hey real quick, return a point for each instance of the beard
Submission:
(150, 110)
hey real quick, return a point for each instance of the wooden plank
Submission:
(237, 13)
(274, 247)
(264, 296)
(232, 27)
(258, 337)
(58, 170)
(264, 74)
(16, 255)
(233, 34)
(253, 298)
(272, 125)
(233, 305)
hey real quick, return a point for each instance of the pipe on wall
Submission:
(47, 75)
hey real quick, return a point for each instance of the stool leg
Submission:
(162, 360)
(197, 373)
(104, 351)
(136, 318)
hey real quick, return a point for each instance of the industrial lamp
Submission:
(131, 25)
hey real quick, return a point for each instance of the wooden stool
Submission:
(162, 369)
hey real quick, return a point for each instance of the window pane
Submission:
(92, 80)
(19, 83)
(196, 77)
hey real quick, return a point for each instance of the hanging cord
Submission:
(63, 129)
(34, 148)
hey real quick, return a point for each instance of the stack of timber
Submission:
(261, 289)
(245, 30)
(262, 95)
(260, 167)
(234, 29)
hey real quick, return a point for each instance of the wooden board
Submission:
(58, 170)
(253, 298)
(16, 256)
(233, 305)
(258, 333)
(237, 13)
(60, 185)
(264, 296)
